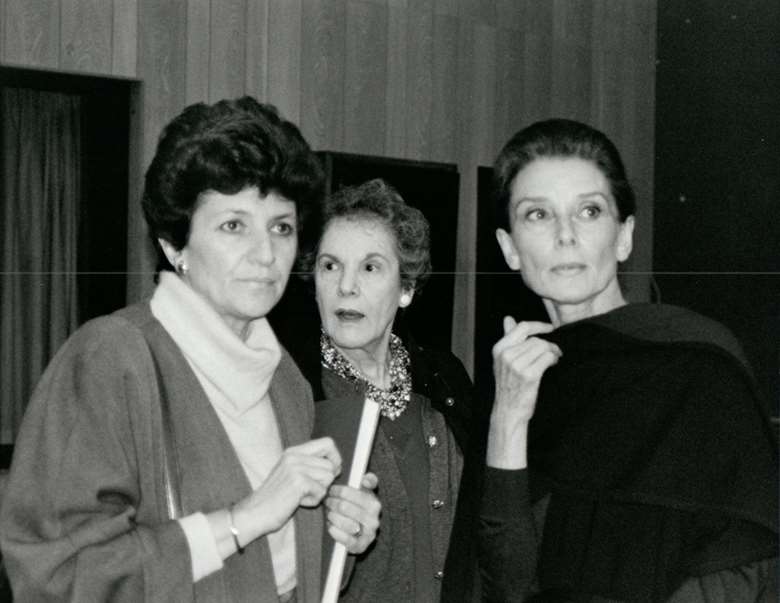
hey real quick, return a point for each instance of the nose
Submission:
(262, 251)
(565, 234)
(348, 284)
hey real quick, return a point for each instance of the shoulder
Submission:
(665, 323)
(106, 339)
(441, 377)
(435, 369)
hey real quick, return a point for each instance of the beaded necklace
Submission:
(393, 401)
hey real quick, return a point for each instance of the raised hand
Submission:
(519, 361)
(301, 477)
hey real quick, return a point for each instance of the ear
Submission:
(507, 245)
(406, 298)
(171, 253)
(625, 240)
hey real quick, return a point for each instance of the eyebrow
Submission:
(244, 212)
(370, 256)
(542, 198)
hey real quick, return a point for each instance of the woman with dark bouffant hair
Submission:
(371, 261)
(629, 456)
(166, 454)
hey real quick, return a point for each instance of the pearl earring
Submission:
(181, 267)
(406, 299)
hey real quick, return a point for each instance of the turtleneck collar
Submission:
(241, 370)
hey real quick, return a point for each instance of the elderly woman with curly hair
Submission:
(371, 260)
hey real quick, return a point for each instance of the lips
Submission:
(568, 268)
(261, 282)
(349, 315)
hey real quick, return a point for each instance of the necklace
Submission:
(393, 401)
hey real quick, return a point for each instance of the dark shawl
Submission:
(655, 447)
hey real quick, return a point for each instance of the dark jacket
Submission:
(440, 381)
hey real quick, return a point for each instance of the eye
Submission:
(327, 265)
(372, 267)
(591, 212)
(535, 214)
(232, 226)
(284, 229)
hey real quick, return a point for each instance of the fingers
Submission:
(353, 516)
(515, 333)
(369, 482)
(321, 447)
(530, 359)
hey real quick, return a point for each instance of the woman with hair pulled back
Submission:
(628, 455)
(166, 454)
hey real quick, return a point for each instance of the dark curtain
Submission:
(40, 189)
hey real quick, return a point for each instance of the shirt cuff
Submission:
(203, 545)
(505, 491)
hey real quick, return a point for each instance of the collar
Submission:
(240, 370)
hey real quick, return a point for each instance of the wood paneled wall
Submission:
(437, 80)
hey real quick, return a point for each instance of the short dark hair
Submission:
(227, 147)
(378, 200)
(560, 138)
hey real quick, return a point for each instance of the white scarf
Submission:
(240, 370)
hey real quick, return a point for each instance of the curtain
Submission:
(40, 182)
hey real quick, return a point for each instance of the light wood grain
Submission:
(124, 46)
(228, 49)
(284, 56)
(365, 78)
(86, 35)
(257, 49)
(323, 67)
(198, 56)
(32, 33)
(395, 88)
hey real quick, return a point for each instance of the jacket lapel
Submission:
(292, 403)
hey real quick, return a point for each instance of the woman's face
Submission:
(358, 284)
(240, 252)
(566, 237)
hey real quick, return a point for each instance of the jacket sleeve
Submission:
(506, 537)
(81, 519)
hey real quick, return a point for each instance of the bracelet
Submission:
(234, 531)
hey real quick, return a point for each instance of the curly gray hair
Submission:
(378, 200)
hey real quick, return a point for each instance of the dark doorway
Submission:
(105, 127)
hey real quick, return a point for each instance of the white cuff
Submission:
(203, 545)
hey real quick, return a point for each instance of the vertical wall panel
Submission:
(537, 61)
(365, 77)
(257, 48)
(444, 137)
(284, 56)
(395, 90)
(637, 131)
(86, 28)
(3, 21)
(124, 46)
(228, 49)
(162, 46)
(608, 51)
(198, 56)
(571, 58)
(323, 67)
(510, 86)
(419, 87)
(32, 33)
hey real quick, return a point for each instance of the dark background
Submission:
(717, 170)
